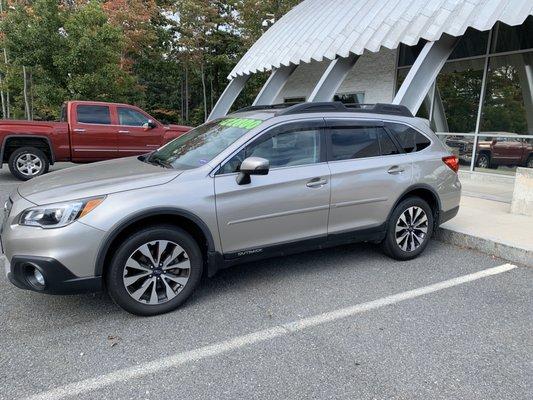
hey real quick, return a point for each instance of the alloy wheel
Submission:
(411, 229)
(156, 272)
(483, 162)
(29, 164)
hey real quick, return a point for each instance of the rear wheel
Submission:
(155, 270)
(28, 162)
(409, 229)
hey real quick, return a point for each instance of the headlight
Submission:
(59, 214)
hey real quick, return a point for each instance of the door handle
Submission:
(123, 131)
(316, 183)
(395, 170)
(79, 130)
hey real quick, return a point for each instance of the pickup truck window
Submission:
(93, 114)
(131, 117)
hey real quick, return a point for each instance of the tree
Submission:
(73, 52)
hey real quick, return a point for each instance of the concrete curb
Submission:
(500, 250)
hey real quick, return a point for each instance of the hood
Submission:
(95, 180)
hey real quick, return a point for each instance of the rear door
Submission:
(289, 204)
(134, 137)
(368, 174)
(92, 136)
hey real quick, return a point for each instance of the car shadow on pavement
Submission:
(234, 279)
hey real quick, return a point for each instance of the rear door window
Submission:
(349, 143)
(88, 114)
(409, 138)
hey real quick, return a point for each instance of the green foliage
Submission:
(170, 57)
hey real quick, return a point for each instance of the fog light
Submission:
(34, 277)
(39, 278)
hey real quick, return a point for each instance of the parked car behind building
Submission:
(493, 151)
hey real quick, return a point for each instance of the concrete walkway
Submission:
(487, 226)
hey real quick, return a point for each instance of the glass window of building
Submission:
(350, 98)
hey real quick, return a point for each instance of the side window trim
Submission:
(270, 131)
(394, 139)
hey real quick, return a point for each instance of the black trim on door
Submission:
(375, 234)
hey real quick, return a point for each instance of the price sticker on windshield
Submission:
(245, 123)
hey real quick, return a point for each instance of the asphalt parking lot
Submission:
(344, 323)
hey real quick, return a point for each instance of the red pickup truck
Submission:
(88, 131)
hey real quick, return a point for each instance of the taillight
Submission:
(452, 162)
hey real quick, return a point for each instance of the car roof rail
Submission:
(337, 106)
(331, 106)
(266, 107)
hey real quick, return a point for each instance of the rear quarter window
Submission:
(409, 138)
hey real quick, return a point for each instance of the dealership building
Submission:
(465, 65)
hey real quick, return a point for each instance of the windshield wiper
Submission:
(158, 161)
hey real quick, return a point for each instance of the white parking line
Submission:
(122, 375)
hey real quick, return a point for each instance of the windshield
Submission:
(200, 145)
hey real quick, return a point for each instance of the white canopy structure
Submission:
(342, 30)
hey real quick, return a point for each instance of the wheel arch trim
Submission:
(26, 136)
(138, 216)
(419, 186)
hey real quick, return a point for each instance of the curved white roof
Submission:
(324, 29)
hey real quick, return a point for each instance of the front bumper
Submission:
(57, 278)
(66, 256)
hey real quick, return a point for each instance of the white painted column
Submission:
(424, 72)
(227, 98)
(332, 78)
(274, 85)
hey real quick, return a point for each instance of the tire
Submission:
(129, 263)
(483, 161)
(410, 247)
(529, 163)
(28, 162)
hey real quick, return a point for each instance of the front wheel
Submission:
(28, 162)
(529, 163)
(155, 270)
(409, 229)
(483, 161)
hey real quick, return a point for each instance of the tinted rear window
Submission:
(410, 139)
(93, 114)
(354, 142)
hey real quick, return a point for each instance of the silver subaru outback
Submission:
(262, 182)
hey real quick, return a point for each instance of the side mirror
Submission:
(252, 166)
(150, 124)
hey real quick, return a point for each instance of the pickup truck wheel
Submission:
(28, 162)
(483, 161)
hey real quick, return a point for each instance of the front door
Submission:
(93, 137)
(289, 204)
(135, 137)
(368, 174)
